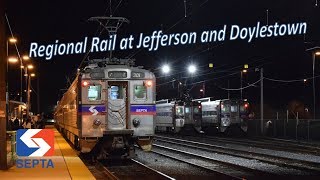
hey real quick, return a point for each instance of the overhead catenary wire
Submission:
(237, 89)
(290, 81)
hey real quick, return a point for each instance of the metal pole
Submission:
(27, 108)
(3, 122)
(38, 89)
(314, 89)
(28, 95)
(240, 84)
(285, 124)
(261, 99)
(308, 129)
(7, 87)
(297, 119)
(228, 89)
(21, 69)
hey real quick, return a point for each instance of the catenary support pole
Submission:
(3, 130)
(261, 99)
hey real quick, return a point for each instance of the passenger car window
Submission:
(94, 93)
(140, 92)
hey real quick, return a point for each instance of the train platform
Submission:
(67, 165)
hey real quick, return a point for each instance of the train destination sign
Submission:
(158, 39)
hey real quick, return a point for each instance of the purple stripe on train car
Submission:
(143, 109)
(92, 109)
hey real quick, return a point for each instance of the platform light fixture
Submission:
(165, 69)
(192, 69)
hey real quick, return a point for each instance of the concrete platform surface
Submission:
(67, 165)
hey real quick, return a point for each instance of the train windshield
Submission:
(116, 92)
(225, 108)
(244, 108)
(179, 111)
(234, 108)
(94, 93)
(196, 110)
(140, 92)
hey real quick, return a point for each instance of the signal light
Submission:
(246, 105)
(149, 83)
(85, 83)
(199, 107)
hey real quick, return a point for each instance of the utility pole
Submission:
(241, 85)
(228, 89)
(261, 98)
(3, 114)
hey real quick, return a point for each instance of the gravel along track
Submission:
(253, 149)
(246, 162)
(176, 168)
(307, 166)
(270, 144)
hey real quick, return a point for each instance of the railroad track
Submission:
(305, 166)
(217, 174)
(225, 168)
(269, 144)
(131, 169)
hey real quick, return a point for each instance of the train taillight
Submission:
(85, 83)
(246, 105)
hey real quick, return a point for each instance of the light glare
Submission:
(192, 69)
(165, 69)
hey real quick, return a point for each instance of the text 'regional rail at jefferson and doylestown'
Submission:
(159, 39)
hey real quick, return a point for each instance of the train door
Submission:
(234, 112)
(117, 105)
(188, 115)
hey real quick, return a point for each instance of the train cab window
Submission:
(225, 108)
(116, 92)
(179, 111)
(140, 92)
(234, 109)
(94, 93)
(243, 109)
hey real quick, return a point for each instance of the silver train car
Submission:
(224, 114)
(108, 108)
(177, 116)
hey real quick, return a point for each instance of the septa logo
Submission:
(35, 142)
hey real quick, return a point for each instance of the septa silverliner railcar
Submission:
(107, 108)
(178, 116)
(224, 114)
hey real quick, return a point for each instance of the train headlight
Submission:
(85, 83)
(225, 121)
(148, 83)
(97, 122)
(136, 122)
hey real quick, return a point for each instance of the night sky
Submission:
(282, 58)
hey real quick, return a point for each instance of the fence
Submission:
(306, 129)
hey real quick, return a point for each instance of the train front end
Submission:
(116, 110)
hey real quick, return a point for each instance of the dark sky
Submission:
(281, 57)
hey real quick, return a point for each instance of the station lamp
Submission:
(192, 69)
(30, 66)
(12, 59)
(165, 69)
(13, 40)
(25, 57)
